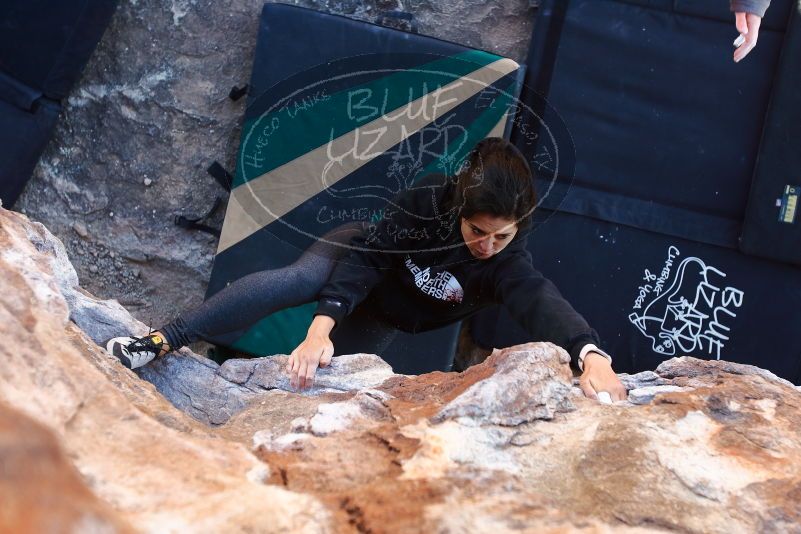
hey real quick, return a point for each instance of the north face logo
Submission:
(443, 285)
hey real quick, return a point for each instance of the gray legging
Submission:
(252, 297)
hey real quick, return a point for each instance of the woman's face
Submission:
(486, 235)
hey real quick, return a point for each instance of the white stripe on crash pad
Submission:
(497, 130)
(262, 200)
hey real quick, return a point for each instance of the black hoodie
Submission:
(415, 272)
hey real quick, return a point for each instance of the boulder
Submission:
(155, 466)
(40, 489)
(505, 446)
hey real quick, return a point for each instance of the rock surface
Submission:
(158, 468)
(212, 393)
(40, 490)
(509, 445)
(152, 112)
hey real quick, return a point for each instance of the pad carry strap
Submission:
(195, 224)
(237, 92)
(225, 179)
(222, 176)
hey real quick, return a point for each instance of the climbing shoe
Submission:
(136, 352)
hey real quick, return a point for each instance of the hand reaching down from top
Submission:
(748, 26)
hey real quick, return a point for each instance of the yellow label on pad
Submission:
(788, 204)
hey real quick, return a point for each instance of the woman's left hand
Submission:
(598, 376)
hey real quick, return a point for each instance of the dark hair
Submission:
(496, 178)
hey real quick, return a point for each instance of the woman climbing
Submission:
(444, 249)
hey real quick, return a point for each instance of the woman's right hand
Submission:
(315, 351)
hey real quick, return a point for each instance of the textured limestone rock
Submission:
(347, 373)
(158, 468)
(698, 373)
(212, 393)
(193, 384)
(151, 113)
(641, 380)
(646, 394)
(527, 383)
(505, 446)
(40, 490)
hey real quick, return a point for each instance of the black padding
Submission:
(17, 93)
(334, 37)
(775, 19)
(43, 48)
(772, 226)
(23, 136)
(655, 107)
(45, 44)
(668, 133)
(423, 352)
(609, 272)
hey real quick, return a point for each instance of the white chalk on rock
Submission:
(604, 397)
